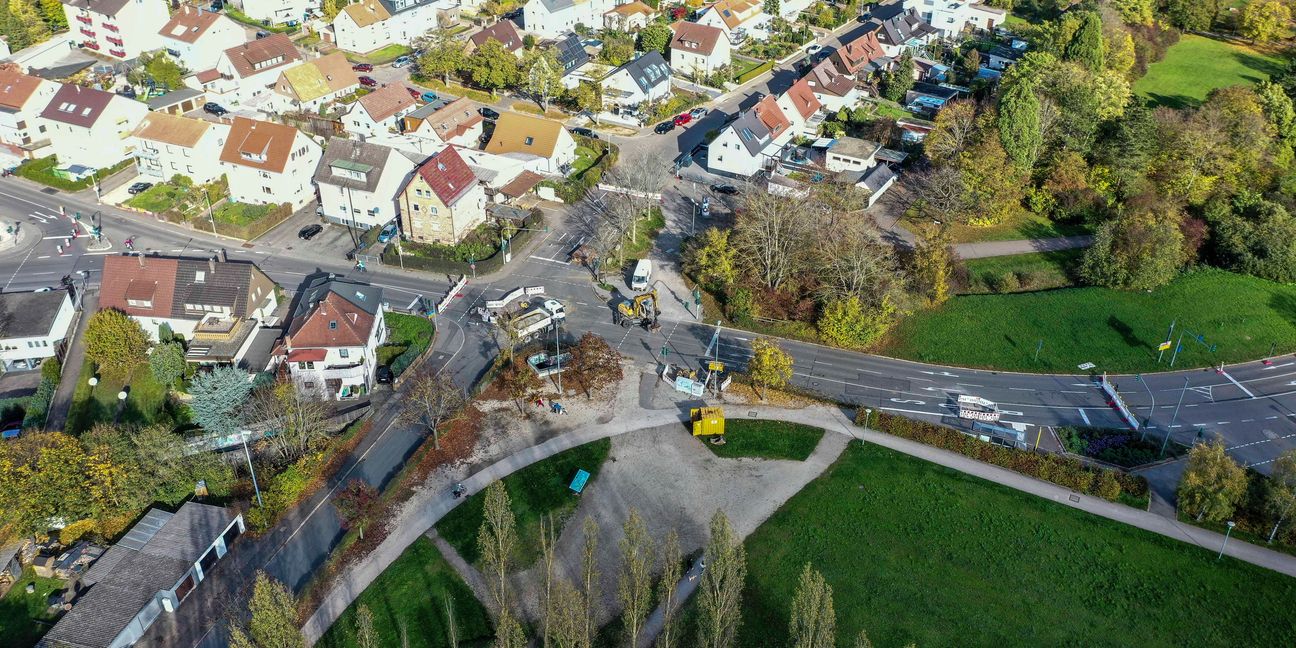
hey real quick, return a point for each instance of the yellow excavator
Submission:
(640, 310)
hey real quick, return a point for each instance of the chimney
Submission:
(140, 256)
(224, 256)
(211, 264)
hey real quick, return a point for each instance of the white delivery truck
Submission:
(642, 275)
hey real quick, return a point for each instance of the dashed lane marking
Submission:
(1083, 415)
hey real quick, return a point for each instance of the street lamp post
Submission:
(210, 216)
(1231, 524)
(1148, 420)
(244, 436)
(1174, 417)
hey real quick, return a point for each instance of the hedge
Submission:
(38, 403)
(493, 263)
(754, 72)
(1067, 472)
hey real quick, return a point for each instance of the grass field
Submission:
(767, 440)
(920, 553)
(1197, 64)
(1021, 272)
(146, 401)
(19, 610)
(534, 491)
(1117, 330)
(412, 593)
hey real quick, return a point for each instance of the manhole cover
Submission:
(751, 413)
(1074, 498)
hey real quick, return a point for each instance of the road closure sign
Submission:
(1164, 345)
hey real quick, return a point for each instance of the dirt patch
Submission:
(675, 482)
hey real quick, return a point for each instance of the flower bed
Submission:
(1114, 446)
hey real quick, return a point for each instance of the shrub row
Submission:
(493, 263)
(1064, 471)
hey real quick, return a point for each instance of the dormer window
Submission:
(332, 325)
(200, 276)
(253, 157)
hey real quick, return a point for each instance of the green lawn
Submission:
(146, 401)
(412, 593)
(236, 213)
(1116, 330)
(19, 610)
(920, 553)
(767, 440)
(1197, 64)
(1021, 272)
(159, 198)
(406, 331)
(382, 55)
(42, 171)
(534, 491)
(455, 90)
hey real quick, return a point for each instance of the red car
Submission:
(362, 67)
(413, 93)
(368, 82)
(681, 119)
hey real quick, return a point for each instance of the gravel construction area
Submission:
(674, 482)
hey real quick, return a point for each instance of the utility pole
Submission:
(211, 216)
(558, 355)
(244, 435)
(1169, 336)
(1174, 417)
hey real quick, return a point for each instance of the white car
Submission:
(814, 47)
(698, 113)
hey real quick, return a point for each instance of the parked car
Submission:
(698, 113)
(664, 127)
(388, 233)
(383, 375)
(706, 207)
(583, 132)
(428, 96)
(402, 61)
(262, 34)
(368, 82)
(726, 189)
(217, 5)
(414, 92)
(683, 119)
(362, 67)
(488, 113)
(139, 188)
(310, 231)
(813, 47)
(213, 108)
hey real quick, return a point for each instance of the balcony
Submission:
(115, 41)
(85, 19)
(88, 32)
(90, 45)
(121, 54)
(111, 27)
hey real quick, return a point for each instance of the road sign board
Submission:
(1086, 366)
(1164, 345)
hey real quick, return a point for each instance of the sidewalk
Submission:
(56, 419)
(361, 575)
(1026, 246)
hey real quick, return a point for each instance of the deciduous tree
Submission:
(933, 264)
(1264, 20)
(954, 130)
(1281, 495)
(845, 322)
(594, 363)
(589, 574)
(862, 640)
(899, 81)
(508, 632)
(115, 342)
(542, 75)
(443, 54)
(219, 397)
(358, 505)
(433, 399)
(634, 584)
(167, 363)
(298, 418)
(1212, 484)
(589, 97)
(814, 620)
(656, 37)
(520, 383)
(720, 598)
(274, 617)
(672, 564)
(493, 66)
(1138, 250)
(770, 366)
(771, 233)
(366, 634)
(712, 259)
(497, 542)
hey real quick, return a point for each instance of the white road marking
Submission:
(1239, 385)
(1083, 415)
(1270, 418)
(43, 256)
(1021, 389)
(1065, 391)
(968, 385)
(908, 401)
(939, 373)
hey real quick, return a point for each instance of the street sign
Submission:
(1086, 366)
(1164, 345)
(715, 366)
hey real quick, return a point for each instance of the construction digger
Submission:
(641, 310)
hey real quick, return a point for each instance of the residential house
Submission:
(455, 122)
(544, 144)
(494, 171)
(928, 98)
(249, 71)
(359, 182)
(153, 569)
(380, 111)
(372, 24)
(738, 18)
(22, 98)
(571, 57)
(850, 154)
(278, 11)
(332, 343)
(899, 30)
(698, 50)
(196, 37)
(553, 18)
(875, 180)
(646, 78)
(216, 305)
(91, 128)
(312, 84)
(629, 17)
(751, 142)
(502, 31)
(862, 57)
(269, 163)
(168, 145)
(33, 327)
(443, 201)
(119, 29)
(1000, 58)
(953, 17)
(802, 108)
(833, 89)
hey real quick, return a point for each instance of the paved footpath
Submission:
(1024, 246)
(358, 577)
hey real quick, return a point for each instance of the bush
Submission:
(51, 370)
(38, 403)
(283, 492)
(1121, 447)
(740, 304)
(1067, 472)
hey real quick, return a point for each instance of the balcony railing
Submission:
(85, 19)
(118, 53)
(88, 32)
(111, 27)
(90, 45)
(115, 41)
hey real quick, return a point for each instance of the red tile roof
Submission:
(804, 99)
(258, 144)
(307, 355)
(502, 31)
(333, 322)
(695, 37)
(851, 57)
(387, 101)
(142, 279)
(77, 106)
(448, 175)
(188, 24)
(768, 112)
(253, 57)
(15, 87)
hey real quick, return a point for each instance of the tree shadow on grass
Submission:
(1127, 333)
(1284, 304)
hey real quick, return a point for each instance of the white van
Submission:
(642, 275)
